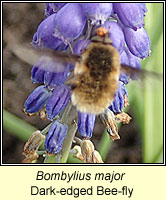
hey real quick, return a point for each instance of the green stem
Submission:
(46, 129)
(17, 126)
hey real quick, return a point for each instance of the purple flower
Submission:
(37, 74)
(69, 22)
(58, 101)
(86, 124)
(53, 79)
(97, 12)
(44, 35)
(118, 102)
(53, 8)
(138, 42)
(55, 137)
(37, 99)
(130, 14)
(116, 35)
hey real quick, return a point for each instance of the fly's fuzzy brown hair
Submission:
(96, 78)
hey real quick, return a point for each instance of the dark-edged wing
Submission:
(139, 73)
(46, 59)
(54, 61)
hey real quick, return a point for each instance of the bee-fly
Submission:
(96, 71)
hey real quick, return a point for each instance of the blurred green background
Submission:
(141, 140)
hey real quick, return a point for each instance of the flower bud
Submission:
(116, 35)
(55, 137)
(138, 42)
(64, 29)
(118, 102)
(44, 35)
(97, 12)
(53, 8)
(86, 124)
(58, 101)
(37, 99)
(130, 14)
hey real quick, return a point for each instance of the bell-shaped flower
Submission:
(44, 35)
(138, 42)
(97, 12)
(55, 137)
(58, 101)
(69, 22)
(86, 124)
(130, 14)
(37, 99)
